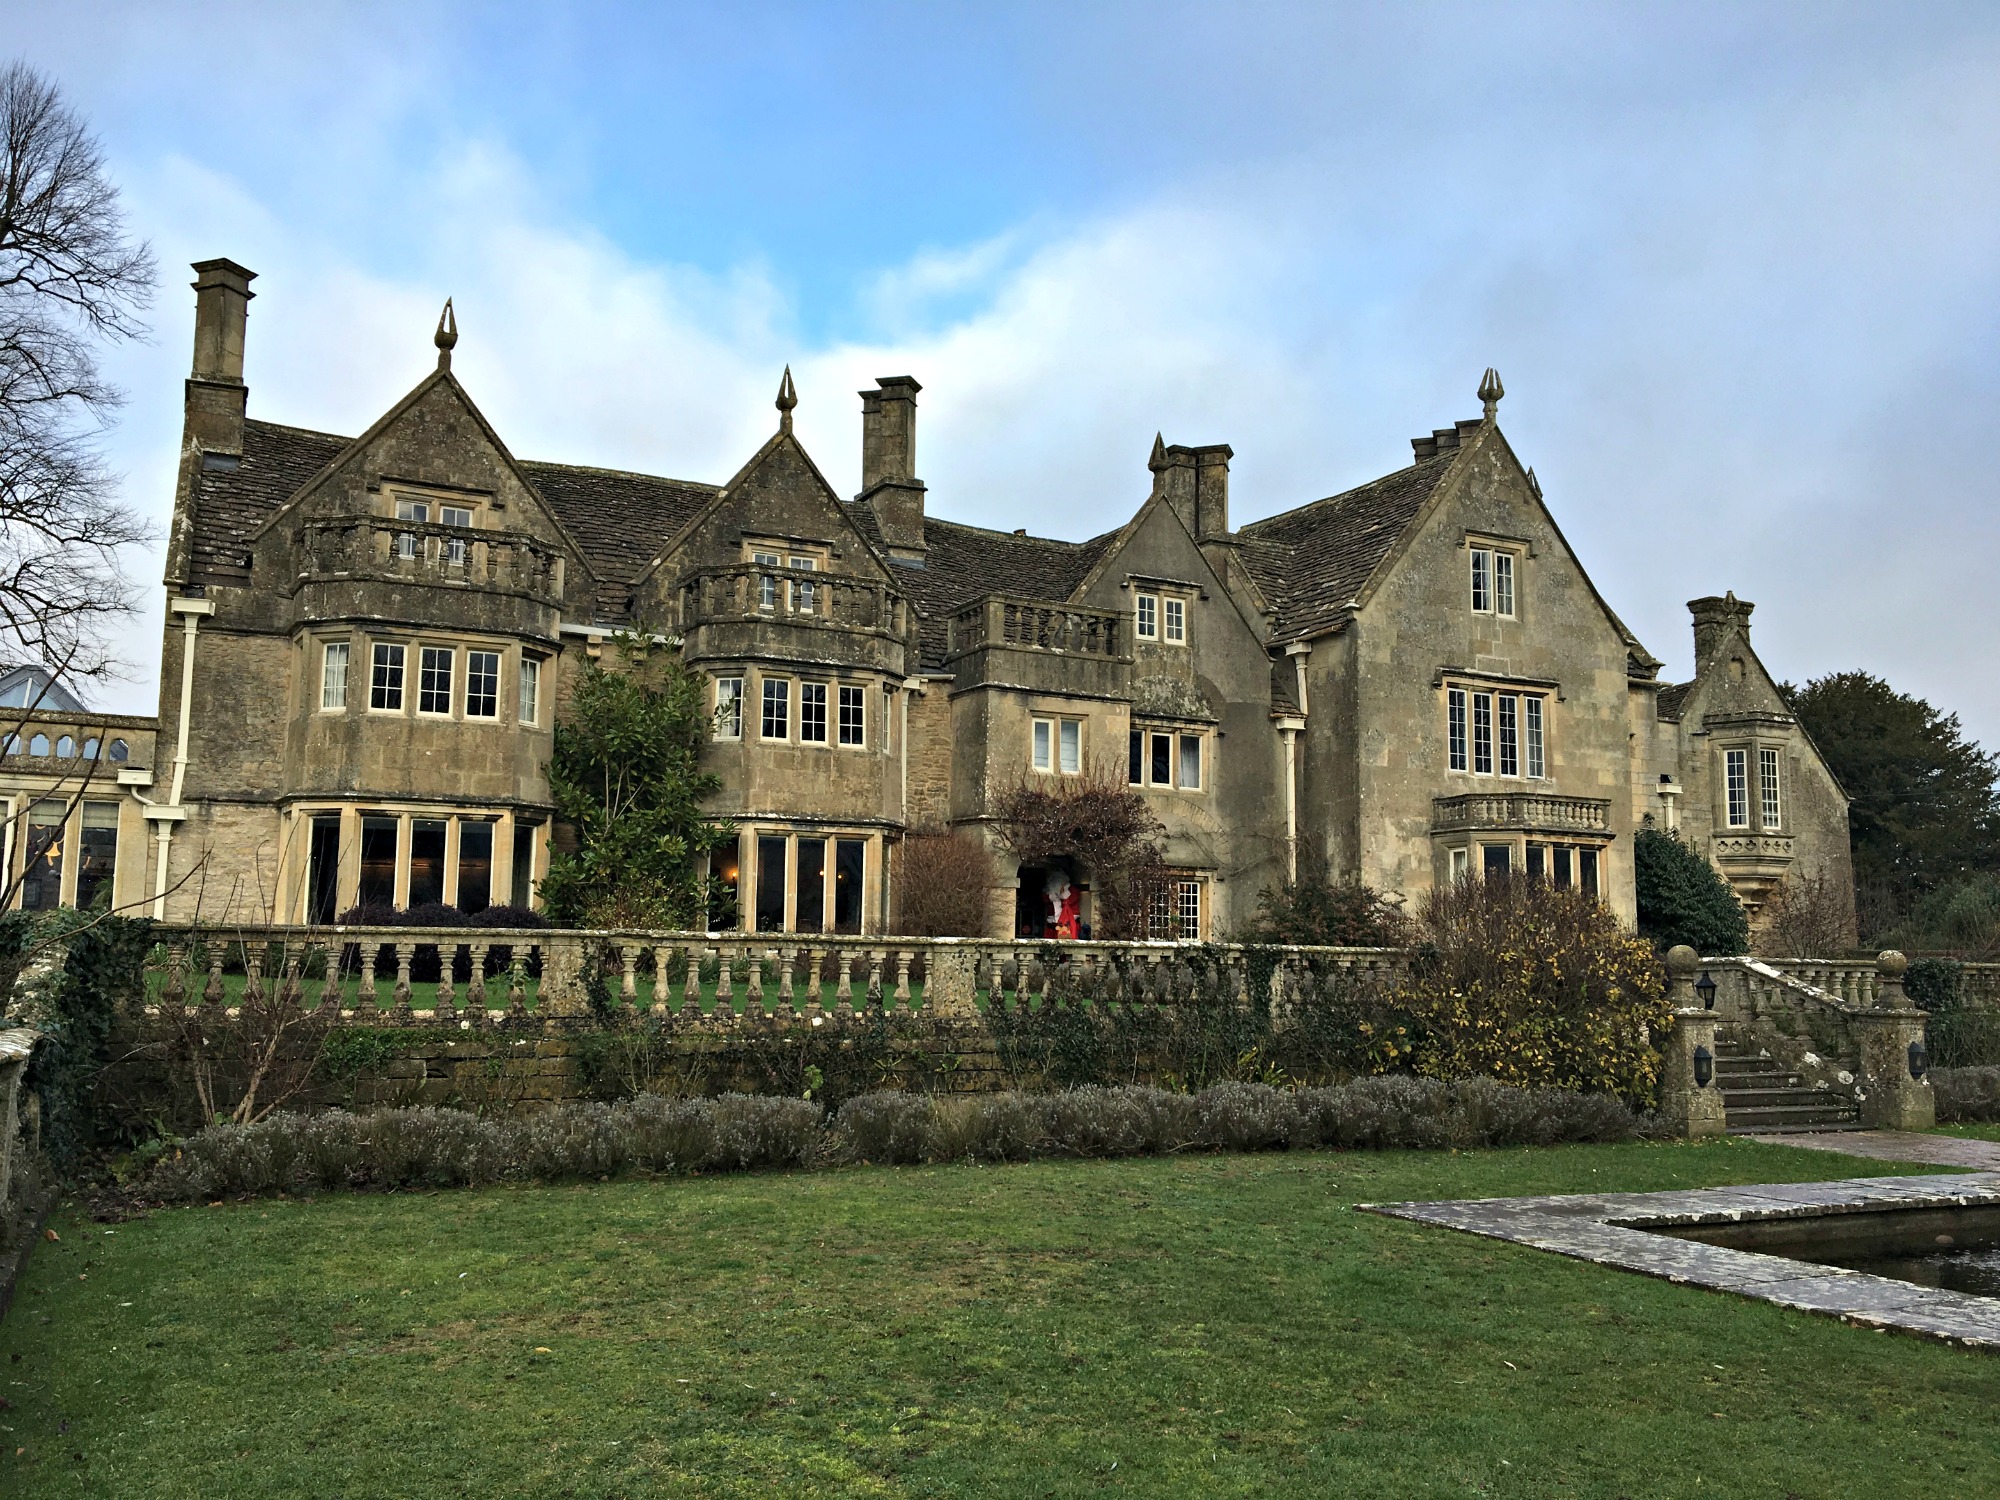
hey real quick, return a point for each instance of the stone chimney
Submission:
(216, 394)
(1195, 482)
(889, 484)
(1715, 621)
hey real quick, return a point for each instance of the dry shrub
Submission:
(1807, 916)
(944, 884)
(1096, 819)
(1537, 986)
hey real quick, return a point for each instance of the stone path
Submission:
(1620, 1229)
(1898, 1145)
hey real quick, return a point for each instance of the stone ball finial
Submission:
(1891, 964)
(1682, 961)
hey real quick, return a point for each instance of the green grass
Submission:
(1199, 1326)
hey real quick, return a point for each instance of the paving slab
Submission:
(1632, 1232)
(1896, 1145)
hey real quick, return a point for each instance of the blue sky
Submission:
(1739, 265)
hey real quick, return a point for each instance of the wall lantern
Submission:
(1705, 987)
(1920, 1060)
(1704, 1067)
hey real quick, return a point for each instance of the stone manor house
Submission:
(369, 640)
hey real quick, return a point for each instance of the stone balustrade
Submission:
(1028, 625)
(372, 549)
(536, 977)
(1532, 811)
(750, 591)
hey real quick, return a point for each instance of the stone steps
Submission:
(1760, 1097)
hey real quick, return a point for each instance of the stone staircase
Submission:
(1760, 1097)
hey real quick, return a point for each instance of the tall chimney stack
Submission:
(1715, 621)
(1211, 491)
(889, 484)
(216, 395)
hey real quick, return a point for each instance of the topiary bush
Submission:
(1682, 898)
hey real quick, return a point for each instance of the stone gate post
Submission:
(1895, 1066)
(1690, 1102)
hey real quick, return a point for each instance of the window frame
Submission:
(1457, 730)
(1482, 580)
(329, 688)
(1146, 617)
(1504, 569)
(491, 697)
(528, 690)
(813, 713)
(424, 689)
(1534, 738)
(393, 658)
(1052, 739)
(1736, 787)
(783, 698)
(1482, 742)
(728, 714)
(1770, 796)
(855, 695)
(1173, 620)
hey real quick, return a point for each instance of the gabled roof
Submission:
(1311, 562)
(617, 518)
(1673, 698)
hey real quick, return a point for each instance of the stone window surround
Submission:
(15, 806)
(361, 646)
(873, 895)
(753, 680)
(298, 824)
(1175, 732)
(1460, 695)
(1163, 610)
(1056, 723)
(1754, 749)
(1461, 853)
(1486, 547)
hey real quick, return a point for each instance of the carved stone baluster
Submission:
(814, 958)
(659, 987)
(628, 965)
(253, 972)
(329, 989)
(404, 953)
(902, 995)
(691, 984)
(475, 985)
(517, 989)
(173, 994)
(725, 974)
(843, 985)
(368, 997)
(753, 988)
(876, 958)
(785, 957)
(445, 1007)
(213, 992)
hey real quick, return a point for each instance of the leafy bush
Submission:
(627, 778)
(73, 1006)
(1960, 917)
(1537, 986)
(1316, 910)
(1683, 900)
(1966, 1095)
(507, 916)
(1096, 819)
(944, 882)
(1958, 1034)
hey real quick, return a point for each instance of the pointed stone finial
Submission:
(446, 337)
(1158, 458)
(788, 397)
(1490, 392)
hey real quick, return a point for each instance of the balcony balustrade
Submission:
(835, 601)
(1030, 625)
(1533, 812)
(372, 549)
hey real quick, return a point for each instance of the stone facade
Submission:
(1404, 682)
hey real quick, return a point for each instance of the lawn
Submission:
(1215, 1325)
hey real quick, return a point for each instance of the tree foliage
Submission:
(1925, 799)
(1537, 986)
(627, 778)
(1682, 898)
(70, 279)
(944, 884)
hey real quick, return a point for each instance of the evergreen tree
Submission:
(627, 778)
(1682, 899)
(1926, 800)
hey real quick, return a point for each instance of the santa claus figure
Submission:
(1065, 904)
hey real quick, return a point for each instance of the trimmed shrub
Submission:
(944, 880)
(1316, 910)
(507, 916)
(1683, 900)
(1966, 1095)
(434, 1148)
